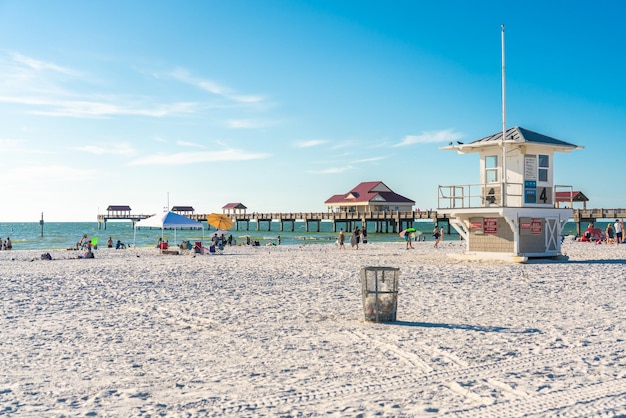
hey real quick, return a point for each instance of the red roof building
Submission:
(234, 208)
(569, 198)
(370, 196)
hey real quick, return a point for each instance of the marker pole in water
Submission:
(41, 223)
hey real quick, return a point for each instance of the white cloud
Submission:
(95, 109)
(248, 123)
(212, 87)
(334, 170)
(41, 87)
(430, 137)
(369, 160)
(311, 143)
(40, 65)
(185, 158)
(189, 144)
(50, 173)
(112, 149)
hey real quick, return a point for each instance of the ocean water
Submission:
(61, 235)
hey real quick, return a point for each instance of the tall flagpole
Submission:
(503, 125)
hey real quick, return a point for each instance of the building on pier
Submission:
(570, 198)
(183, 210)
(234, 209)
(370, 196)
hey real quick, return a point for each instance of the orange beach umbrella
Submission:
(219, 221)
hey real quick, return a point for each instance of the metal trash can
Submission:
(380, 293)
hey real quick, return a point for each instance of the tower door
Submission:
(552, 234)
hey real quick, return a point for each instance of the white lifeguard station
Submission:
(512, 213)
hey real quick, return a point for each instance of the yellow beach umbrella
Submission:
(219, 221)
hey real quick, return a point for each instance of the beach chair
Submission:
(197, 248)
(216, 249)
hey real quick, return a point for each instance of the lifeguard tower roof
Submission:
(515, 135)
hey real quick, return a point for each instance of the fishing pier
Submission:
(385, 222)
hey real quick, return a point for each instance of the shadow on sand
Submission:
(467, 327)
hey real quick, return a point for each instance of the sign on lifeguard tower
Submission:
(511, 213)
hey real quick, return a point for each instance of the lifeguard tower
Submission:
(512, 214)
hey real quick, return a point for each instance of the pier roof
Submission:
(183, 209)
(234, 206)
(118, 208)
(574, 197)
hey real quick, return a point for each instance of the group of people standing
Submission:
(358, 235)
(6, 245)
(615, 233)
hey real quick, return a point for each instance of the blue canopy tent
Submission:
(169, 220)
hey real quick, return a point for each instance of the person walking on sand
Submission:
(364, 234)
(342, 239)
(437, 236)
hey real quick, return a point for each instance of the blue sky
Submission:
(281, 104)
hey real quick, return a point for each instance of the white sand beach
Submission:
(279, 331)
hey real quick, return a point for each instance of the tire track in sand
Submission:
(602, 396)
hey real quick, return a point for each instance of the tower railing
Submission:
(480, 195)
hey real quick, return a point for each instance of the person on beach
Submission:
(88, 253)
(441, 233)
(437, 236)
(364, 234)
(610, 234)
(110, 243)
(409, 240)
(82, 243)
(618, 231)
(342, 239)
(278, 240)
(119, 244)
(356, 237)
(9, 243)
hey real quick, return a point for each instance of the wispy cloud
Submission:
(249, 123)
(50, 173)
(189, 144)
(108, 149)
(96, 109)
(186, 158)
(369, 160)
(310, 143)
(212, 87)
(48, 89)
(333, 170)
(430, 137)
(40, 65)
